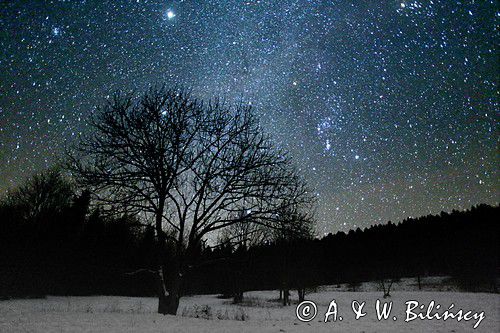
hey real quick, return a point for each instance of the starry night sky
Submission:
(388, 107)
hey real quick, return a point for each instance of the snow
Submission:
(261, 312)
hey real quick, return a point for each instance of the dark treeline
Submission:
(52, 242)
(462, 244)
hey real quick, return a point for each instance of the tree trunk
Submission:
(286, 296)
(162, 304)
(285, 278)
(302, 294)
(387, 291)
(168, 301)
(168, 295)
(168, 305)
(238, 297)
(238, 281)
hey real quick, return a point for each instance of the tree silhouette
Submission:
(43, 194)
(295, 226)
(190, 168)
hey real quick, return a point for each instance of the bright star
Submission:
(56, 31)
(170, 14)
(328, 145)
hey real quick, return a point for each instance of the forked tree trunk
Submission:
(387, 289)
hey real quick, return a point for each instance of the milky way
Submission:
(389, 108)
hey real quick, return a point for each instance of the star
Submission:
(369, 99)
(56, 31)
(328, 145)
(170, 14)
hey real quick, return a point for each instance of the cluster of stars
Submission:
(388, 107)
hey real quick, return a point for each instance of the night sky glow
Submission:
(388, 107)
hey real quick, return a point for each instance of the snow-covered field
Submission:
(260, 312)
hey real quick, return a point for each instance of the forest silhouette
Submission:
(53, 242)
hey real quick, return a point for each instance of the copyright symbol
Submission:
(306, 311)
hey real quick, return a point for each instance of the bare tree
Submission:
(44, 193)
(190, 168)
(296, 223)
(240, 237)
(385, 285)
(244, 233)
